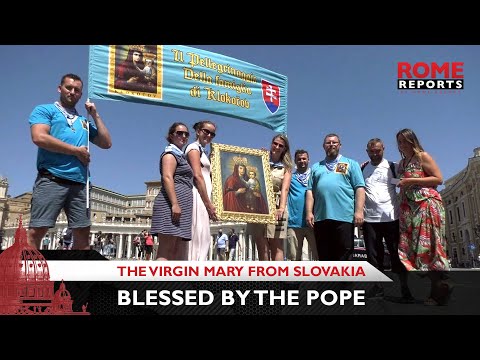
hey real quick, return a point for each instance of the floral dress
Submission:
(422, 225)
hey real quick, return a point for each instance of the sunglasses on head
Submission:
(182, 133)
(208, 132)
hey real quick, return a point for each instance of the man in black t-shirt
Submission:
(67, 239)
(232, 245)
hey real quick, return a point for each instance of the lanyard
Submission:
(71, 118)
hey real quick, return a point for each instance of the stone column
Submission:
(50, 237)
(54, 240)
(155, 247)
(53, 243)
(210, 251)
(307, 252)
(251, 249)
(120, 246)
(129, 246)
(241, 242)
(246, 243)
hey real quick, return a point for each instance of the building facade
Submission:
(3, 204)
(461, 198)
(117, 217)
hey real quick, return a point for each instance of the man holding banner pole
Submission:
(62, 137)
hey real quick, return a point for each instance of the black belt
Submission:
(49, 175)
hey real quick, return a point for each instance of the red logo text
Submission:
(430, 76)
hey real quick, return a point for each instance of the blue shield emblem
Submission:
(271, 96)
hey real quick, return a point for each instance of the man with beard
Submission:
(62, 136)
(381, 216)
(334, 201)
(297, 229)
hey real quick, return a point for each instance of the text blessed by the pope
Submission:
(230, 297)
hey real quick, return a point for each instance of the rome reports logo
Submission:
(271, 96)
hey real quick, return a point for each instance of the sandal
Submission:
(446, 292)
(430, 302)
(441, 295)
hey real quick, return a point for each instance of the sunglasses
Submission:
(208, 132)
(182, 133)
(278, 144)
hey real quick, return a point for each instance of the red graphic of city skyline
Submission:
(25, 286)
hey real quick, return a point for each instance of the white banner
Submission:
(214, 271)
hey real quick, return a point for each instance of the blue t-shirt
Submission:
(62, 165)
(296, 204)
(334, 191)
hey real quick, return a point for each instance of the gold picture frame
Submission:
(242, 184)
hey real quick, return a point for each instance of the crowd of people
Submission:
(322, 204)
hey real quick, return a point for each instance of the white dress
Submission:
(199, 246)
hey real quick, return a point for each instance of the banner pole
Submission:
(88, 165)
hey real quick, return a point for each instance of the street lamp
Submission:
(472, 253)
(476, 229)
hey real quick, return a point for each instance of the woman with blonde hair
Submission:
(422, 216)
(269, 238)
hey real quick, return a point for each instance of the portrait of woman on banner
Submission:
(132, 73)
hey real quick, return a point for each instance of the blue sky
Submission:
(348, 90)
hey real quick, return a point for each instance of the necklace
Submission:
(409, 160)
(69, 117)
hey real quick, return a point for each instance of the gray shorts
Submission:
(295, 238)
(50, 197)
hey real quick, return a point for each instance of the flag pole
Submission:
(88, 149)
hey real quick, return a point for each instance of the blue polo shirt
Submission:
(334, 191)
(62, 165)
